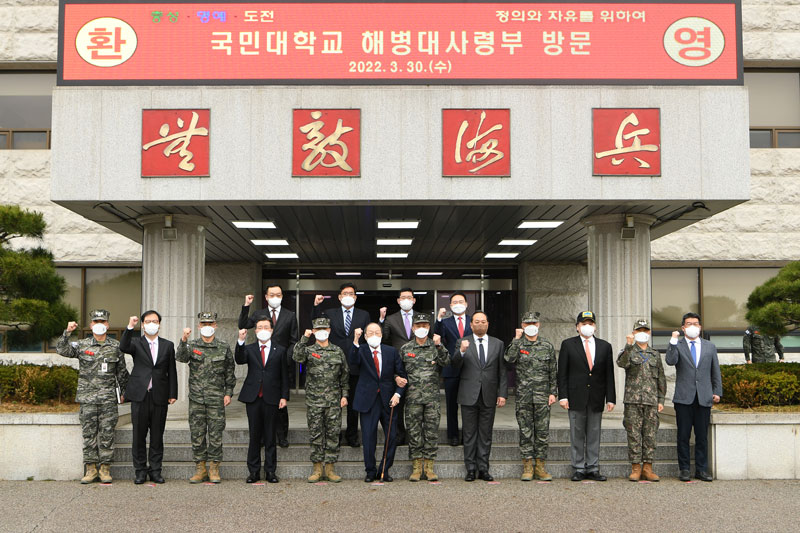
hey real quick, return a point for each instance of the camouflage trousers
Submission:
(422, 429)
(206, 419)
(98, 423)
(324, 426)
(641, 423)
(534, 429)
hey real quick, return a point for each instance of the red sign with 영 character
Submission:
(326, 142)
(175, 143)
(476, 142)
(626, 142)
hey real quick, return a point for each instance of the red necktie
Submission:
(274, 319)
(588, 352)
(460, 326)
(263, 363)
(377, 363)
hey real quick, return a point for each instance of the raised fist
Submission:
(383, 313)
(242, 334)
(186, 333)
(307, 333)
(675, 334)
(248, 299)
(133, 321)
(72, 326)
(464, 345)
(629, 339)
(357, 334)
(442, 312)
(318, 299)
(518, 334)
(437, 339)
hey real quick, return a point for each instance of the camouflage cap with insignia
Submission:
(321, 322)
(585, 315)
(422, 317)
(99, 314)
(207, 317)
(530, 317)
(641, 324)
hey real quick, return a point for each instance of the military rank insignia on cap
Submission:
(586, 315)
(530, 316)
(422, 317)
(99, 314)
(321, 322)
(641, 323)
(207, 317)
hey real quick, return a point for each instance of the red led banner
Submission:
(399, 42)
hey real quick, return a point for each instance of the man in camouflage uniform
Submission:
(102, 378)
(211, 383)
(762, 346)
(424, 360)
(537, 383)
(327, 387)
(645, 389)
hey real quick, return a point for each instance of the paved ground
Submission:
(453, 505)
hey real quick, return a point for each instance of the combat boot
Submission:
(316, 475)
(429, 473)
(331, 476)
(105, 474)
(90, 475)
(527, 470)
(200, 474)
(540, 472)
(636, 472)
(416, 473)
(213, 472)
(648, 474)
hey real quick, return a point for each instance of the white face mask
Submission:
(99, 329)
(692, 331)
(641, 337)
(587, 330)
(207, 331)
(264, 335)
(531, 331)
(458, 308)
(321, 335)
(348, 301)
(421, 333)
(150, 328)
(274, 302)
(374, 341)
(406, 305)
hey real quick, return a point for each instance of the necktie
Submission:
(588, 352)
(274, 318)
(461, 326)
(481, 353)
(154, 355)
(263, 363)
(408, 325)
(377, 362)
(347, 322)
(694, 354)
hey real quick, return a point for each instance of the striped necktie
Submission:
(347, 322)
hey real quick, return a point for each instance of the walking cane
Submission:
(386, 442)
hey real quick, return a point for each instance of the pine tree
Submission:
(774, 306)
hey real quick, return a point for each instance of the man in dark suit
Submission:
(397, 332)
(585, 387)
(264, 392)
(698, 385)
(483, 387)
(376, 393)
(451, 329)
(152, 387)
(284, 333)
(345, 319)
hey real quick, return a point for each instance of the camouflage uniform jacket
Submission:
(211, 369)
(327, 372)
(763, 347)
(645, 382)
(537, 368)
(101, 367)
(423, 364)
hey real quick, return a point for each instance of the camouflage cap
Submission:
(99, 314)
(585, 315)
(641, 324)
(207, 317)
(321, 322)
(531, 317)
(422, 317)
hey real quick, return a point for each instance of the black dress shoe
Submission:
(684, 476)
(156, 477)
(595, 476)
(454, 441)
(486, 476)
(271, 477)
(470, 476)
(252, 478)
(578, 476)
(369, 478)
(387, 478)
(703, 476)
(141, 477)
(354, 443)
(283, 443)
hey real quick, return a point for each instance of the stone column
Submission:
(619, 279)
(173, 276)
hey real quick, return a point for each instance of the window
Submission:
(774, 108)
(26, 101)
(674, 293)
(725, 292)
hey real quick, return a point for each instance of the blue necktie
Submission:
(347, 322)
(694, 354)
(481, 353)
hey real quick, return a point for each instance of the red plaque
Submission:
(326, 142)
(175, 142)
(626, 142)
(476, 142)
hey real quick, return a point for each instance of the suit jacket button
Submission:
(590, 374)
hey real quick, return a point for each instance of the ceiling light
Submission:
(270, 242)
(501, 255)
(470, 275)
(538, 224)
(359, 292)
(394, 242)
(429, 273)
(398, 224)
(421, 292)
(517, 242)
(399, 255)
(253, 224)
(348, 273)
(281, 256)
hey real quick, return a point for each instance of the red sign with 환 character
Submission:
(326, 142)
(175, 142)
(626, 142)
(476, 142)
